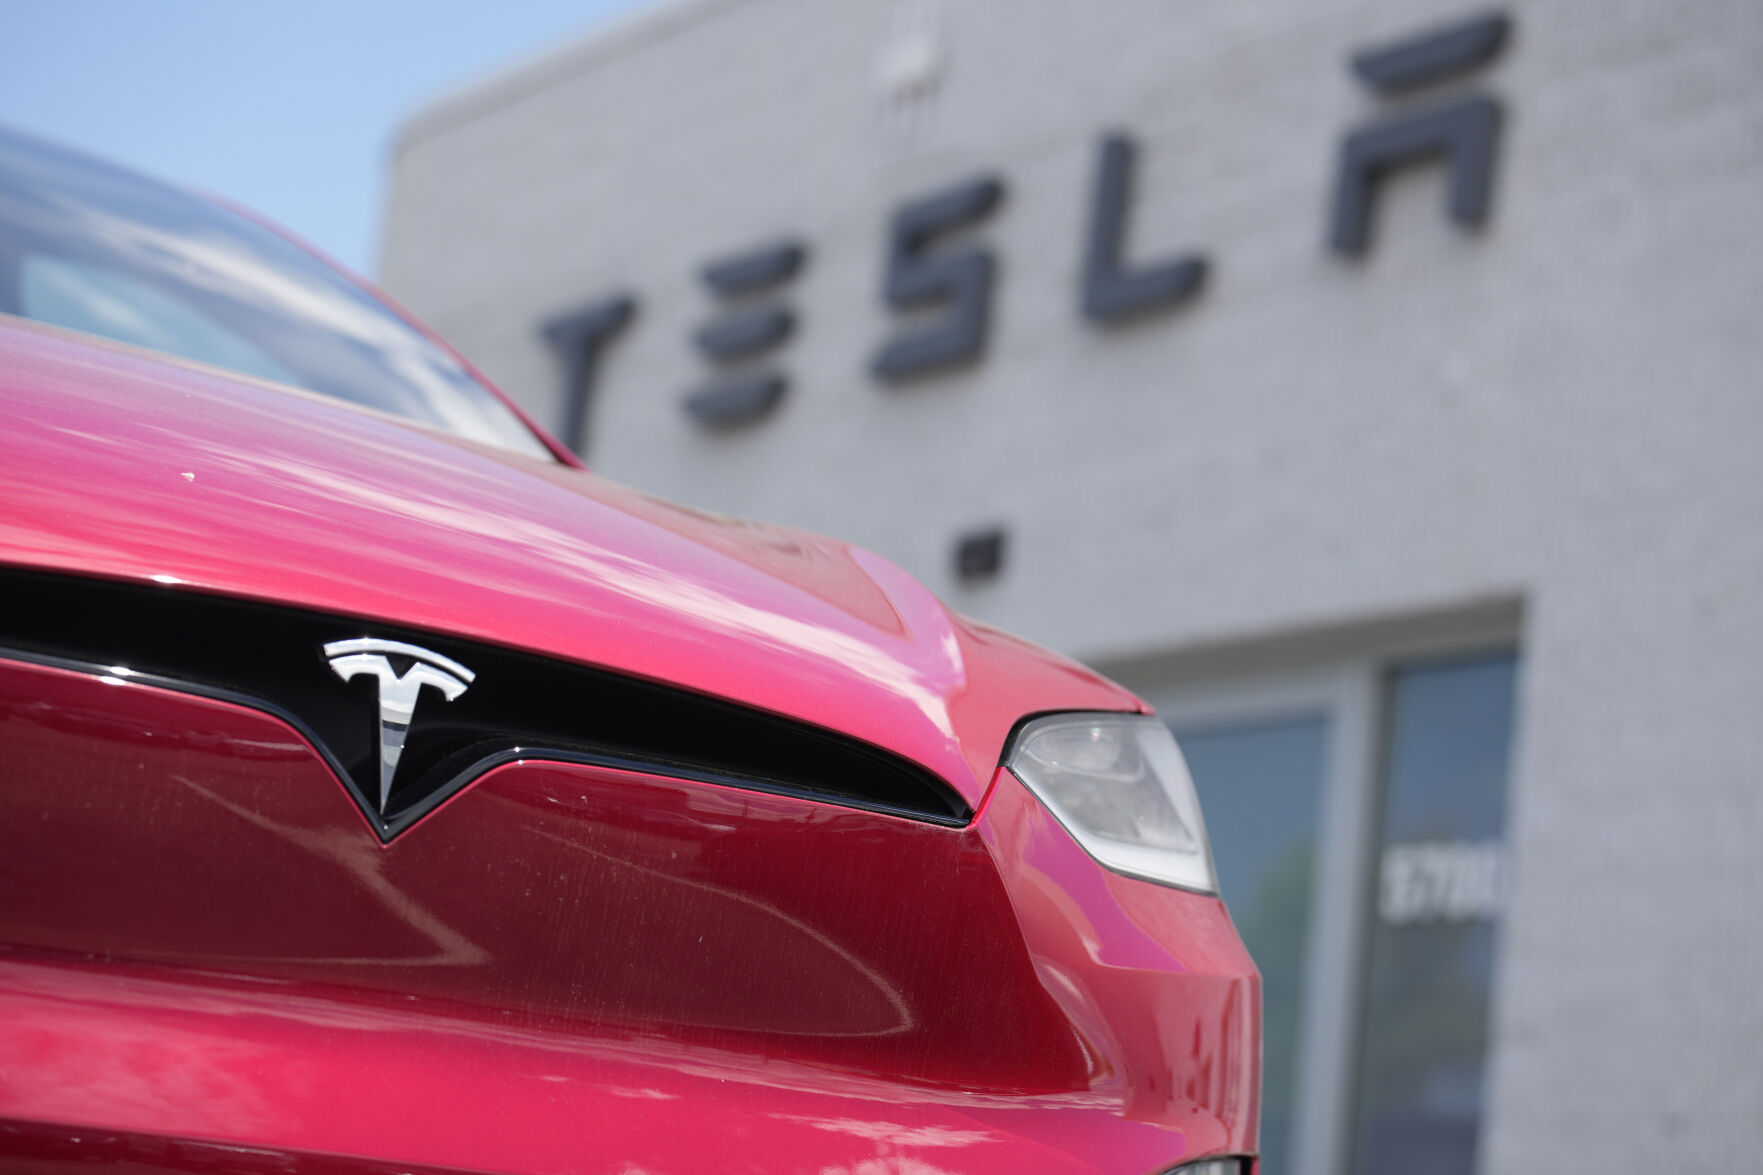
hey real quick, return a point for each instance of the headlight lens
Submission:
(1119, 785)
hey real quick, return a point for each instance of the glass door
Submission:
(1357, 814)
(1441, 880)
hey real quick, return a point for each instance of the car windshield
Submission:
(95, 248)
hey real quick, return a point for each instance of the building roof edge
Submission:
(547, 68)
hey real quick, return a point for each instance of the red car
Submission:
(382, 791)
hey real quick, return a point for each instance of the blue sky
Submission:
(289, 109)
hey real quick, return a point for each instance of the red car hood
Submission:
(121, 463)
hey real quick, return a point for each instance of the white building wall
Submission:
(1564, 409)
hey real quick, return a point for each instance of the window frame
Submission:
(1345, 676)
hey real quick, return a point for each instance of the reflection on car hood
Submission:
(120, 463)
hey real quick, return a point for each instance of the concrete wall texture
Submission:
(1563, 409)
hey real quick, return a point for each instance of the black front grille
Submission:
(518, 705)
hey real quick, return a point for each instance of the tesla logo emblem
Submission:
(398, 694)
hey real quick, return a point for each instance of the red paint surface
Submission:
(120, 463)
(572, 969)
(208, 962)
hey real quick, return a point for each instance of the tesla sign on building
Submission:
(1389, 372)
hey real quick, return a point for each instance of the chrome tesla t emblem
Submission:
(397, 694)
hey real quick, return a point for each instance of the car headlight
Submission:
(1119, 785)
